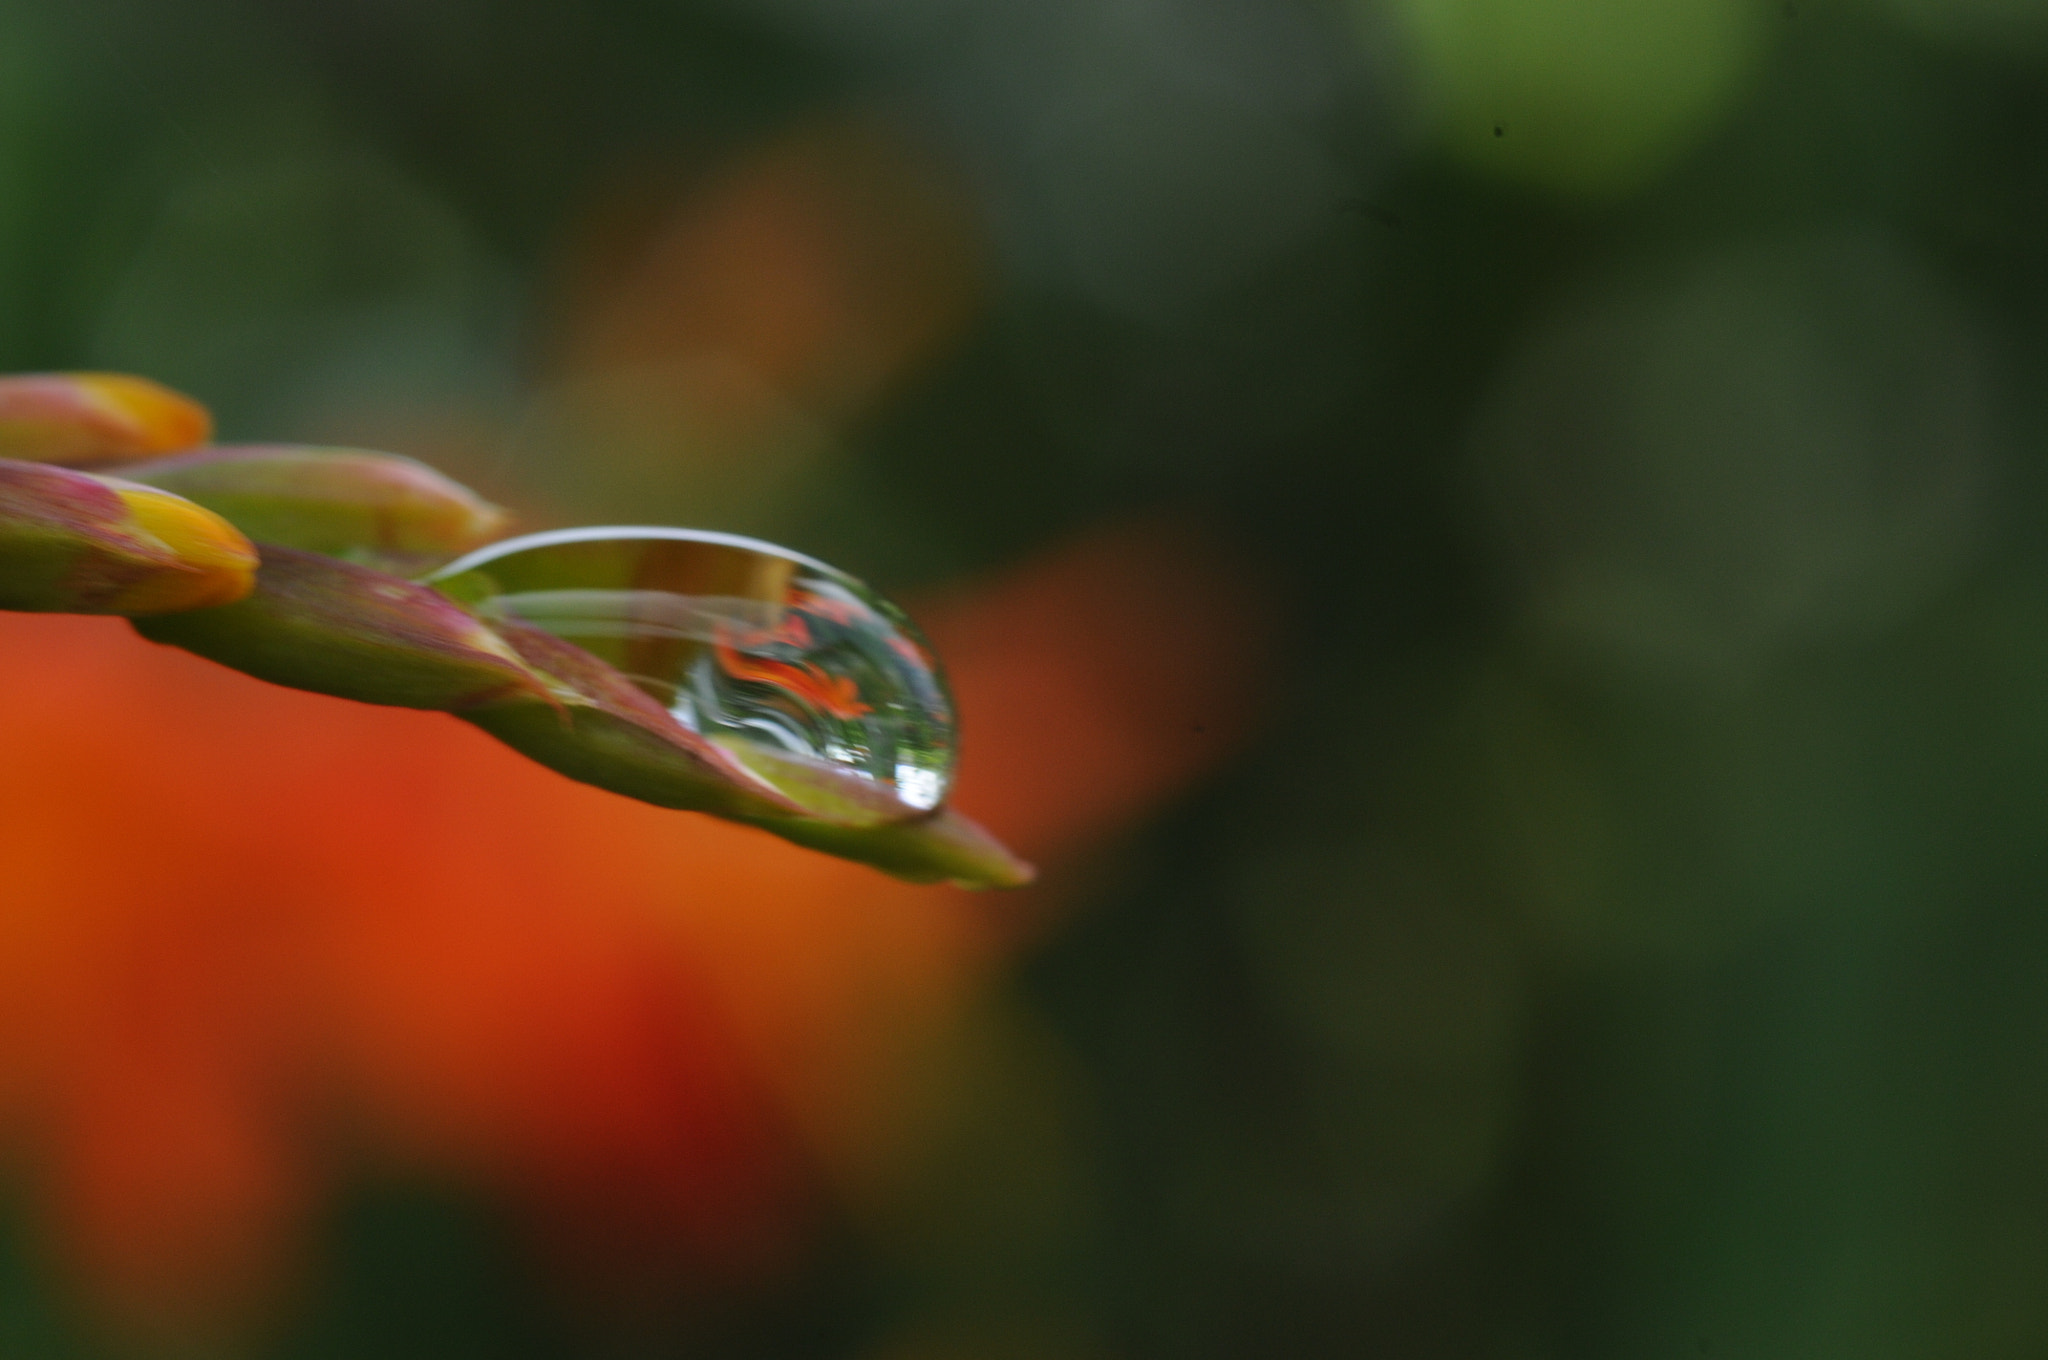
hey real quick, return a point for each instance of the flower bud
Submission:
(221, 559)
(333, 627)
(373, 507)
(607, 732)
(74, 543)
(85, 419)
(618, 738)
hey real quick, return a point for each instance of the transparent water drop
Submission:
(794, 666)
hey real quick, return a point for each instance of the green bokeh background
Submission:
(1625, 936)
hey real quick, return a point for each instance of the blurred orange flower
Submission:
(252, 937)
(824, 264)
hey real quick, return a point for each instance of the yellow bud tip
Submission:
(83, 419)
(219, 563)
(160, 420)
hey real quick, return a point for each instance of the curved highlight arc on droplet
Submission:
(550, 538)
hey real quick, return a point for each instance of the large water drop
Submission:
(788, 663)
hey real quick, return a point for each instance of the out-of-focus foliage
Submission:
(1490, 547)
(1592, 98)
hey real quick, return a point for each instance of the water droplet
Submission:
(794, 666)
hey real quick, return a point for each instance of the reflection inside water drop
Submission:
(776, 656)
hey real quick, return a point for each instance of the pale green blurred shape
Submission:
(1588, 97)
(1704, 467)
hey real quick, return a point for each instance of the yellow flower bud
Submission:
(83, 419)
(74, 543)
(220, 563)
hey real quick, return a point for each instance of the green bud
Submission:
(372, 507)
(605, 731)
(333, 627)
(618, 738)
(74, 543)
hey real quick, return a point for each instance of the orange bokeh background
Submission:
(254, 940)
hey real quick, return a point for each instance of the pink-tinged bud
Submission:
(618, 738)
(88, 419)
(608, 733)
(332, 627)
(372, 507)
(74, 543)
